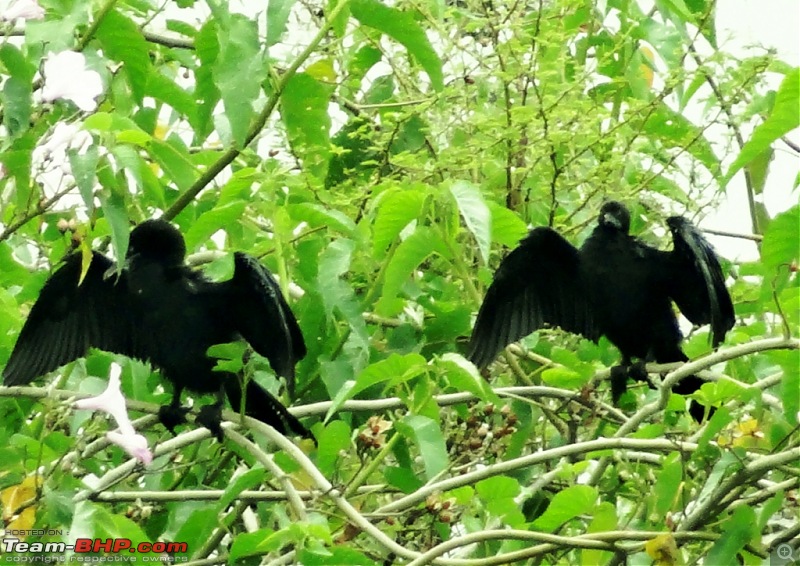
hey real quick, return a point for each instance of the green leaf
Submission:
(115, 212)
(402, 478)
(165, 90)
(397, 209)
(771, 506)
(16, 64)
(780, 240)
(666, 488)
(339, 24)
(675, 131)
(176, 164)
(239, 69)
(738, 530)
(277, 15)
(207, 48)
(464, 376)
(248, 480)
(411, 252)
(333, 440)
(497, 487)
(507, 228)
(604, 520)
(783, 119)
(403, 28)
(566, 505)
(335, 556)
(365, 58)
(339, 296)
(254, 543)
(427, 435)
(317, 215)
(396, 368)
(122, 41)
(475, 213)
(218, 218)
(564, 377)
(304, 110)
(83, 168)
(16, 106)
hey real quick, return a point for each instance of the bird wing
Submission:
(540, 282)
(263, 318)
(69, 317)
(696, 282)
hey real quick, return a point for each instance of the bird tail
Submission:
(262, 405)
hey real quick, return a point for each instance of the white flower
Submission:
(66, 76)
(135, 445)
(65, 136)
(112, 401)
(25, 9)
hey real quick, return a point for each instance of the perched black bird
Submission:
(614, 285)
(161, 311)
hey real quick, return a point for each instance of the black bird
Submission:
(614, 285)
(159, 310)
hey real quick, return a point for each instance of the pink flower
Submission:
(112, 401)
(25, 9)
(66, 76)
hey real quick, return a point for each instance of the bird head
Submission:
(615, 216)
(157, 240)
(154, 241)
(676, 223)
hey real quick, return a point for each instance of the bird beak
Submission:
(611, 220)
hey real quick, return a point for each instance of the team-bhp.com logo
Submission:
(88, 545)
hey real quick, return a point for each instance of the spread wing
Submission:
(263, 318)
(696, 281)
(68, 318)
(540, 282)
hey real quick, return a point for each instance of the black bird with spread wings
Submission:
(614, 285)
(161, 311)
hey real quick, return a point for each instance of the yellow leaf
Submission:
(322, 70)
(161, 131)
(14, 497)
(647, 68)
(24, 521)
(663, 550)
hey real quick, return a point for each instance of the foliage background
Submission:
(382, 162)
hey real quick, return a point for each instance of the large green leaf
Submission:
(277, 15)
(475, 213)
(397, 209)
(304, 110)
(123, 41)
(164, 89)
(566, 505)
(674, 131)
(176, 164)
(427, 435)
(403, 28)
(218, 218)
(411, 252)
(780, 245)
(739, 530)
(784, 118)
(239, 69)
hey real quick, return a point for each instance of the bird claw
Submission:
(638, 372)
(619, 383)
(210, 417)
(172, 416)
